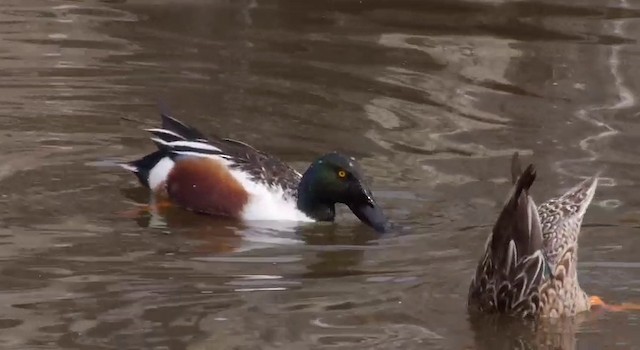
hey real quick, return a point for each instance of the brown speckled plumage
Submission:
(529, 267)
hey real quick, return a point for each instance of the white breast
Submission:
(268, 203)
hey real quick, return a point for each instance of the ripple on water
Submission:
(431, 96)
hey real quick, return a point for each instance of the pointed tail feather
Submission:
(581, 195)
(566, 213)
(513, 266)
(516, 167)
(175, 126)
(142, 167)
(518, 221)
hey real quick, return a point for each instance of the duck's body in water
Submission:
(225, 177)
(529, 267)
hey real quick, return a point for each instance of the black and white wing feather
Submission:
(180, 140)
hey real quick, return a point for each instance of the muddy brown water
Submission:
(431, 96)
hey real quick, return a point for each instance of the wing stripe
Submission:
(191, 145)
(164, 132)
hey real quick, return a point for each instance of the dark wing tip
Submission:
(174, 125)
(161, 145)
(513, 220)
(516, 167)
(168, 122)
(524, 182)
(171, 123)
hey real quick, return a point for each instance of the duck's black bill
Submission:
(371, 214)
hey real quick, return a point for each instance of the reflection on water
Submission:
(432, 96)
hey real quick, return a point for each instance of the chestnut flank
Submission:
(206, 186)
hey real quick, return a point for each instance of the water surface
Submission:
(431, 96)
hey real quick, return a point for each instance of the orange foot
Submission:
(146, 208)
(596, 301)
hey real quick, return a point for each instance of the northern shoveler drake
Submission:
(529, 267)
(226, 177)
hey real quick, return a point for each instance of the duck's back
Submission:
(218, 176)
(180, 140)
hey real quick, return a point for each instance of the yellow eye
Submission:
(342, 174)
